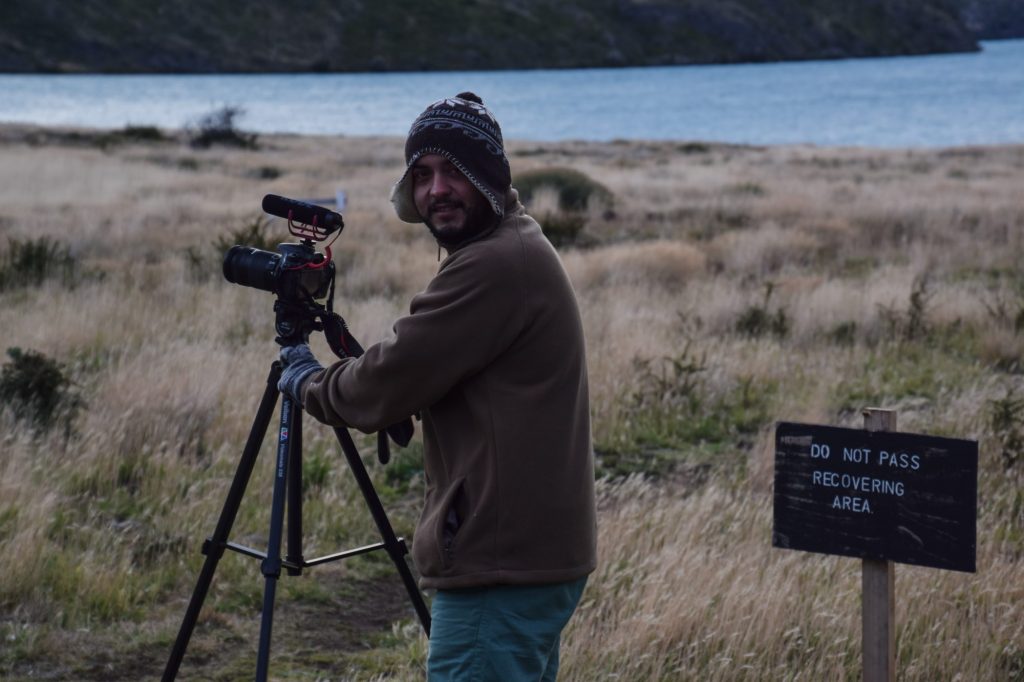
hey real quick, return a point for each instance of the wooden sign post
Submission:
(884, 497)
(878, 591)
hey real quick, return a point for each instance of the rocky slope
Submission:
(360, 35)
(994, 19)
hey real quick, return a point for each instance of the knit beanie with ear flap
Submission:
(462, 130)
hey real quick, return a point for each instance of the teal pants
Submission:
(504, 633)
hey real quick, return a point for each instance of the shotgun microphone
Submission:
(300, 212)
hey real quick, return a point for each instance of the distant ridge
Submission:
(201, 36)
(994, 19)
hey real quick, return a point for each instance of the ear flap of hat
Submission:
(401, 199)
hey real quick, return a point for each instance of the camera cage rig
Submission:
(297, 314)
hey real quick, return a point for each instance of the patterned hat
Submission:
(462, 130)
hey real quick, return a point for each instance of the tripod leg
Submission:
(294, 555)
(214, 546)
(396, 549)
(271, 566)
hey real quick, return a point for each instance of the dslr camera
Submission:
(296, 272)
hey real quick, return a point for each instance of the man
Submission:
(491, 356)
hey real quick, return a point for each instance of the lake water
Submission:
(929, 101)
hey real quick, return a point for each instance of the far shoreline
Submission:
(35, 134)
(980, 47)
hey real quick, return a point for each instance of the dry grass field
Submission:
(722, 287)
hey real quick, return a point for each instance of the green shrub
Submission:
(406, 466)
(202, 262)
(218, 127)
(575, 189)
(1005, 302)
(197, 264)
(265, 173)
(693, 148)
(760, 319)
(756, 321)
(254, 232)
(673, 414)
(1005, 420)
(910, 324)
(562, 228)
(100, 139)
(141, 134)
(29, 262)
(36, 388)
(315, 470)
(844, 333)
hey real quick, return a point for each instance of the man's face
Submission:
(445, 198)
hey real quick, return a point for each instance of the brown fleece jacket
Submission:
(492, 357)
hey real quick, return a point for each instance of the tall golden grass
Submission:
(891, 278)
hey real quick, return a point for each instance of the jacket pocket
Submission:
(447, 523)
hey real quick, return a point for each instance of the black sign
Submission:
(876, 495)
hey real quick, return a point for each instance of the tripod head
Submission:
(296, 310)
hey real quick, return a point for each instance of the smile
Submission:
(445, 209)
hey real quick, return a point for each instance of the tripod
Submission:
(287, 492)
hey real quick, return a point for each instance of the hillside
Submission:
(387, 35)
(994, 19)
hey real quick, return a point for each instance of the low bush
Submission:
(254, 232)
(912, 323)
(673, 414)
(36, 388)
(575, 189)
(265, 173)
(760, 319)
(30, 262)
(1005, 420)
(693, 148)
(218, 128)
(562, 228)
(100, 139)
(141, 134)
(844, 333)
(572, 191)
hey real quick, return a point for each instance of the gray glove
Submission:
(299, 365)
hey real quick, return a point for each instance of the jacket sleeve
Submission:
(470, 312)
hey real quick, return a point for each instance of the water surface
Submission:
(927, 101)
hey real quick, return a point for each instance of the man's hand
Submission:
(299, 365)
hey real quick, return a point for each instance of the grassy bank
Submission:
(722, 288)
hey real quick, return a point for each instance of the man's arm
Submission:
(471, 311)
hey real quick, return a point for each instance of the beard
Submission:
(478, 219)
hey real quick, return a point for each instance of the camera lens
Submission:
(252, 267)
